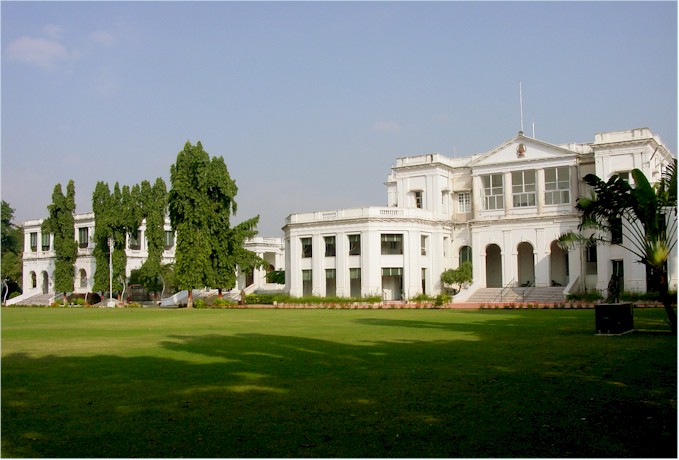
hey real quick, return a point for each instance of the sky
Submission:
(310, 103)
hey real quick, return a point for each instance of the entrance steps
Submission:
(518, 294)
(38, 299)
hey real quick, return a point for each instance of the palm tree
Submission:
(647, 213)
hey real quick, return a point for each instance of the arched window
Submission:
(34, 280)
(82, 275)
(465, 254)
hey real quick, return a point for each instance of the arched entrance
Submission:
(558, 265)
(493, 266)
(45, 282)
(526, 264)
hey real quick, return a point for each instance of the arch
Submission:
(493, 266)
(45, 285)
(82, 276)
(34, 280)
(525, 262)
(465, 254)
(558, 265)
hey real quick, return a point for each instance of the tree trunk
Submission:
(667, 301)
(189, 301)
(219, 293)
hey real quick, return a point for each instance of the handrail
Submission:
(528, 291)
(504, 290)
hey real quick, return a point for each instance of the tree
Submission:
(458, 276)
(12, 248)
(116, 214)
(201, 202)
(153, 201)
(61, 224)
(648, 215)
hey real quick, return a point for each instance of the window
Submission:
(392, 244)
(34, 280)
(493, 197)
(465, 254)
(557, 185)
(45, 241)
(355, 282)
(418, 199)
(464, 202)
(423, 244)
(329, 246)
(34, 241)
(306, 282)
(330, 283)
(169, 239)
(625, 175)
(424, 281)
(354, 245)
(83, 237)
(306, 247)
(616, 230)
(83, 278)
(591, 254)
(135, 241)
(523, 188)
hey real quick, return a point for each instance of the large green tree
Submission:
(61, 224)
(648, 214)
(12, 247)
(153, 201)
(116, 214)
(201, 202)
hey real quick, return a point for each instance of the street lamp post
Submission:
(111, 302)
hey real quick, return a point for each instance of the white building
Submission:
(503, 210)
(39, 258)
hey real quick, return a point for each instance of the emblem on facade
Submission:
(520, 150)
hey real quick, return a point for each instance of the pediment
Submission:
(522, 149)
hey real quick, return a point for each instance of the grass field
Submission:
(334, 383)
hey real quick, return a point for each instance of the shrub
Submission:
(585, 296)
(441, 299)
(199, 303)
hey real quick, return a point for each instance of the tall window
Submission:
(392, 244)
(306, 282)
(464, 202)
(354, 245)
(329, 246)
(306, 247)
(523, 188)
(83, 236)
(418, 199)
(493, 197)
(355, 282)
(423, 244)
(557, 185)
(34, 241)
(45, 241)
(169, 239)
(135, 243)
(465, 254)
(330, 283)
(616, 230)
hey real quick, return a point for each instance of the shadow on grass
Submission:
(263, 395)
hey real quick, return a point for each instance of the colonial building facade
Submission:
(503, 210)
(39, 257)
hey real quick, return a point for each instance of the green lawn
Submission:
(334, 383)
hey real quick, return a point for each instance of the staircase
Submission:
(38, 299)
(517, 295)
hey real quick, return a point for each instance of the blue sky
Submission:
(310, 103)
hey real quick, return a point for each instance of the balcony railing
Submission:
(375, 212)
